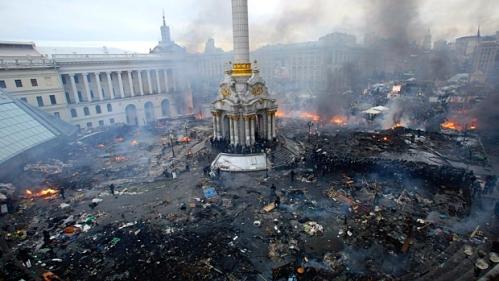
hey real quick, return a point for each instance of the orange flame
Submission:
(451, 125)
(397, 125)
(46, 192)
(339, 120)
(134, 142)
(280, 114)
(310, 116)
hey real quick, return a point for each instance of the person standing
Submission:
(111, 189)
(61, 190)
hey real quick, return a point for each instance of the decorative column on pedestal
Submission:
(231, 129)
(240, 31)
(236, 130)
(252, 130)
(274, 129)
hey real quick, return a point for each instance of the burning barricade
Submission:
(48, 192)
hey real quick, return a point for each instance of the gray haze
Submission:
(277, 21)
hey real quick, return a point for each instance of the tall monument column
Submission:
(243, 95)
(240, 31)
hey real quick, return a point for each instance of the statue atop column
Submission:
(243, 112)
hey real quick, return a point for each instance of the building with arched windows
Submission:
(90, 90)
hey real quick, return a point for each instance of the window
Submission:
(73, 113)
(19, 83)
(88, 78)
(68, 100)
(76, 79)
(92, 94)
(97, 109)
(109, 107)
(111, 120)
(56, 114)
(86, 111)
(2, 84)
(89, 124)
(52, 100)
(80, 97)
(101, 123)
(34, 83)
(24, 100)
(63, 78)
(39, 100)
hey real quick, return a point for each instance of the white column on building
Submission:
(247, 130)
(274, 131)
(214, 125)
(84, 76)
(165, 76)
(236, 130)
(263, 121)
(158, 84)
(219, 125)
(269, 126)
(231, 129)
(130, 82)
(222, 124)
(99, 86)
(141, 87)
(73, 88)
(120, 84)
(110, 85)
(149, 84)
(252, 129)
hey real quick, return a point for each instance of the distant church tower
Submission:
(165, 33)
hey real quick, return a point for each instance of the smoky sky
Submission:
(278, 21)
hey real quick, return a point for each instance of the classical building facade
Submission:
(100, 89)
(243, 111)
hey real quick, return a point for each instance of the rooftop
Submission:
(24, 127)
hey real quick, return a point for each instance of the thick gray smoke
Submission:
(394, 20)
(487, 114)
(213, 15)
